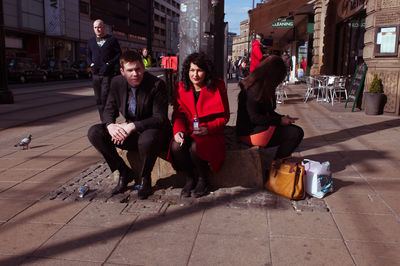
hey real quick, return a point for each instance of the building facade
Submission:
(59, 29)
(241, 43)
(364, 31)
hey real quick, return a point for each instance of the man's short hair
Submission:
(129, 57)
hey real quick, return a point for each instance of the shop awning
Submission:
(275, 18)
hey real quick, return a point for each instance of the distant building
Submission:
(240, 44)
(231, 35)
(44, 29)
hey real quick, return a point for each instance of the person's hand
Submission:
(287, 120)
(179, 137)
(201, 132)
(128, 127)
(117, 133)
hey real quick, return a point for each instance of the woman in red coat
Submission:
(199, 96)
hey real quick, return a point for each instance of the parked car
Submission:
(60, 69)
(83, 69)
(23, 69)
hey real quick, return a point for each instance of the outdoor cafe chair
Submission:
(312, 86)
(281, 92)
(339, 87)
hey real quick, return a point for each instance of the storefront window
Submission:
(349, 51)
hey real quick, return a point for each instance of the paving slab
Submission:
(179, 219)
(24, 238)
(350, 185)
(57, 176)
(37, 163)
(57, 262)
(393, 203)
(367, 227)
(11, 259)
(153, 248)
(28, 191)
(7, 163)
(217, 249)
(4, 185)
(313, 225)
(373, 253)
(50, 212)
(10, 207)
(385, 185)
(305, 251)
(107, 215)
(92, 244)
(224, 220)
(357, 203)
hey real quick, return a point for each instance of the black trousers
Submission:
(185, 158)
(149, 143)
(101, 87)
(287, 138)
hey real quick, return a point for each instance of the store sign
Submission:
(283, 23)
(54, 17)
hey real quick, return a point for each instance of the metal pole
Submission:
(6, 95)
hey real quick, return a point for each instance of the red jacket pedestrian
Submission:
(256, 52)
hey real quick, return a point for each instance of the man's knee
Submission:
(95, 133)
(149, 140)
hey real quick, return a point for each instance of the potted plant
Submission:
(374, 99)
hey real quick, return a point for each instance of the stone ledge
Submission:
(244, 166)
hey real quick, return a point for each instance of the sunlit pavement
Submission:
(360, 227)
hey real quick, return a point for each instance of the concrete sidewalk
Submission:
(361, 226)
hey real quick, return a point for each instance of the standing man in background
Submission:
(288, 63)
(256, 52)
(103, 57)
(146, 58)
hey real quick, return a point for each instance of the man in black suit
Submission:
(102, 55)
(143, 101)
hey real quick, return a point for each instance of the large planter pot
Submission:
(374, 103)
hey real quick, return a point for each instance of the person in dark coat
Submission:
(288, 64)
(199, 95)
(142, 99)
(103, 57)
(257, 122)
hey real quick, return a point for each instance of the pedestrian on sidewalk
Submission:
(143, 101)
(200, 114)
(257, 122)
(146, 58)
(257, 54)
(288, 63)
(103, 57)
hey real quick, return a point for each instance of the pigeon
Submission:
(24, 142)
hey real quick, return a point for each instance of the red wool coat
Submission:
(256, 55)
(212, 109)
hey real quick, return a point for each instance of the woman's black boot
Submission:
(186, 190)
(201, 188)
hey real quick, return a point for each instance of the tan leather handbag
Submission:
(286, 178)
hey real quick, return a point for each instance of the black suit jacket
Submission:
(105, 58)
(151, 102)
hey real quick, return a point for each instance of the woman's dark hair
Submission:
(267, 76)
(202, 61)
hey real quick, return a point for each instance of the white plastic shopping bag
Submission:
(318, 179)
